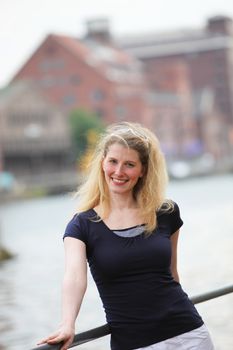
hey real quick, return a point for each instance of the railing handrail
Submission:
(103, 330)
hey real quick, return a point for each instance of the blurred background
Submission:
(68, 69)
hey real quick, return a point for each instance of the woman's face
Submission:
(122, 169)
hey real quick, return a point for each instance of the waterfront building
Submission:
(34, 134)
(179, 84)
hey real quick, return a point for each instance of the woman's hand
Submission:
(63, 334)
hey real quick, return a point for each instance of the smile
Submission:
(119, 181)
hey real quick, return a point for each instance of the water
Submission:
(30, 284)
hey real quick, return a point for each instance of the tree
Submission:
(85, 128)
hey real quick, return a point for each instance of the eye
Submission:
(130, 165)
(112, 161)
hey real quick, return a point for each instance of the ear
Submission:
(142, 172)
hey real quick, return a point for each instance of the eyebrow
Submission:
(127, 160)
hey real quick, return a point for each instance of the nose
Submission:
(119, 169)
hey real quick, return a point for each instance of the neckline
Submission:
(112, 230)
(128, 228)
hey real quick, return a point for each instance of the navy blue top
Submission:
(142, 301)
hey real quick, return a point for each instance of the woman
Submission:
(128, 232)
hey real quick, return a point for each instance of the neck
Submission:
(120, 202)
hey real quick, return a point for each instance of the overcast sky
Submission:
(25, 23)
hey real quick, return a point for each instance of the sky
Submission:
(24, 24)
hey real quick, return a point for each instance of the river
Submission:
(30, 283)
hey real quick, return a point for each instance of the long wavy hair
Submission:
(149, 192)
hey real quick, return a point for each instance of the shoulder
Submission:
(169, 214)
(86, 215)
(78, 226)
(168, 208)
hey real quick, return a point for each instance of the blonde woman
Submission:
(128, 232)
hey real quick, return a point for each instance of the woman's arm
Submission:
(73, 290)
(174, 243)
(75, 279)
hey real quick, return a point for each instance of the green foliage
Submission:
(82, 123)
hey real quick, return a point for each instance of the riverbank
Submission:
(5, 254)
(49, 184)
(42, 185)
(26, 193)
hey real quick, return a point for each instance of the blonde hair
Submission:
(149, 192)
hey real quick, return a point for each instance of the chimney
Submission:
(98, 30)
(220, 25)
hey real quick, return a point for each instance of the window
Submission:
(22, 118)
(48, 81)
(121, 112)
(69, 99)
(97, 95)
(75, 79)
(51, 64)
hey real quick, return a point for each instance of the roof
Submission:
(175, 42)
(115, 64)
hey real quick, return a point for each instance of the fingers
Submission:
(58, 337)
(66, 345)
(65, 342)
(63, 335)
(48, 339)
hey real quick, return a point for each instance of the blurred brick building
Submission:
(206, 52)
(64, 74)
(180, 84)
(33, 131)
(201, 58)
(92, 73)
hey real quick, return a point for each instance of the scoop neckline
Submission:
(112, 230)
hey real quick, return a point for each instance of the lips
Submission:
(119, 181)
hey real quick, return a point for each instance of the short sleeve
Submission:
(175, 220)
(76, 229)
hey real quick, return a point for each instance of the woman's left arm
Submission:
(174, 244)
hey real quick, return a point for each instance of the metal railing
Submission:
(101, 331)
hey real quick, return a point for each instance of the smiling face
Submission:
(122, 169)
